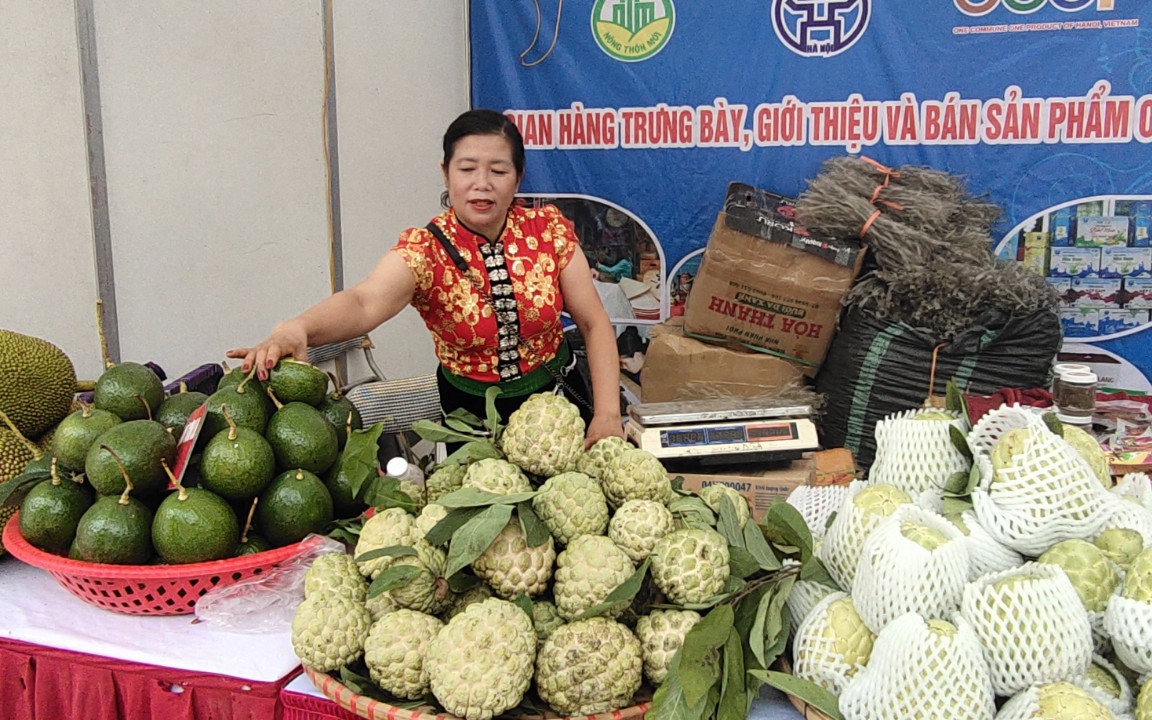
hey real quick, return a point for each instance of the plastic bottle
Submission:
(401, 469)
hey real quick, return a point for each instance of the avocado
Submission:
(295, 505)
(114, 530)
(37, 382)
(344, 502)
(129, 390)
(342, 414)
(143, 446)
(295, 381)
(245, 406)
(251, 545)
(234, 377)
(194, 525)
(76, 433)
(174, 411)
(301, 437)
(51, 512)
(238, 463)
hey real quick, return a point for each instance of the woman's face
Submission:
(482, 182)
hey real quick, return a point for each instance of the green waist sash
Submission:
(523, 385)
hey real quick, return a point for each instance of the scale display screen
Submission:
(728, 434)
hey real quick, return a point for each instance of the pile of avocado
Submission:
(264, 472)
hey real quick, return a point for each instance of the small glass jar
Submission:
(1060, 369)
(1075, 397)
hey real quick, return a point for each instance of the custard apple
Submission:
(588, 667)
(380, 605)
(428, 591)
(1144, 702)
(443, 480)
(1092, 573)
(661, 635)
(833, 643)
(545, 618)
(571, 504)
(496, 476)
(477, 593)
(711, 495)
(544, 435)
(1138, 582)
(415, 492)
(328, 631)
(386, 528)
(335, 572)
(636, 475)
(588, 570)
(429, 517)
(1121, 545)
(691, 565)
(1089, 449)
(395, 649)
(1059, 700)
(511, 567)
(637, 525)
(480, 664)
(597, 459)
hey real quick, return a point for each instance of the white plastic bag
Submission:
(264, 603)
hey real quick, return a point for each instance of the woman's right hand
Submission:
(288, 339)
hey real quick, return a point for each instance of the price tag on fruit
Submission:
(188, 442)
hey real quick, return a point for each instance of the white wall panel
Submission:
(47, 276)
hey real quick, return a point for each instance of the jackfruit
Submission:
(37, 382)
(16, 451)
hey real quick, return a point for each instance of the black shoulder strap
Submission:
(449, 248)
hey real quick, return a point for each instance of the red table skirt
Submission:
(40, 683)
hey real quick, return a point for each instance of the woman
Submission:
(490, 280)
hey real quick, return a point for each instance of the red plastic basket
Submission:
(146, 589)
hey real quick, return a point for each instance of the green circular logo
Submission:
(632, 30)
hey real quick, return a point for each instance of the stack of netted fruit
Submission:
(541, 576)
(105, 491)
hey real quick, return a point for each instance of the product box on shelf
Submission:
(1118, 262)
(677, 367)
(1140, 223)
(1063, 288)
(1101, 231)
(1080, 322)
(1138, 292)
(1117, 320)
(1062, 224)
(769, 284)
(1074, 262)
(1096, 292)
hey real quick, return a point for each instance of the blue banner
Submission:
(649, 108)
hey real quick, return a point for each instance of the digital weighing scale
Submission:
(710, 432)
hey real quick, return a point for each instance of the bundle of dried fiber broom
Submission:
(930, 242)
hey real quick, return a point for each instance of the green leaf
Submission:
(443, 531)
(973, 480)
(698, 671)
(955, 484)
(523, 602)
(390, 551)
(812, 569)
(773, 651)
(623, 593)
(741, 564)
(397, 576)
(809, 692)
(770, 621)
(785, 528)
(669, 702)
(734, 697)
(462, 582)
(729, 525)
(475, 536)
(1053, 423)
(758, 545)
(473, 451)
(493, 419)
(475, 497)
(535, 532)
(960, 441)
(693, 512)
(955, 506)
(384, 492)
(467, 417)
(954, 399)
(435, 432)
(13, 491)
(458, 425)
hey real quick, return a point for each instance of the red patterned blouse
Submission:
(521, 274)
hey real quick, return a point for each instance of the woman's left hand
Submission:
(601, 427)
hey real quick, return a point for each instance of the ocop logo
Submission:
(632, 30)
(977, 8)
(820, 28)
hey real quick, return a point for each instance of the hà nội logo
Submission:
(820, 28)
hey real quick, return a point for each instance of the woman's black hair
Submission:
(485, 122)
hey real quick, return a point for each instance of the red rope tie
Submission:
(868, 223)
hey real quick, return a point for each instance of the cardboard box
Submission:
(1101, 231)
(1114, 321)
(1074, 262)
(1063, 287)
(683, 368)
(761, 488)
(1080, 322)
(781, 298)
(1138, 292)
(1096, 292)
(1118, 262)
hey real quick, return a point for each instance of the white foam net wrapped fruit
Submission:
(1128, 619)
(1060, 700)
(915, 452)
(1031, 624)
(832, 644)
(985, 553)
(921, 669)
(915, 561)
(862, 510)
(817, 503)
